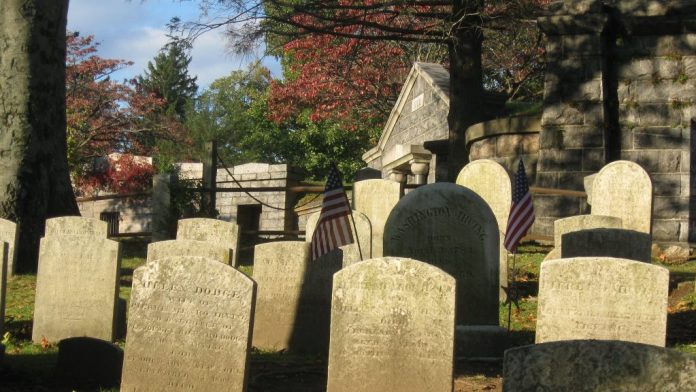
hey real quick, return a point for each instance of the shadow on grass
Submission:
(681, 328)
(29, 372)
(284, 372)
(20, 330)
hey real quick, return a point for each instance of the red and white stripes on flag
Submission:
(333, 227)
(521, 213)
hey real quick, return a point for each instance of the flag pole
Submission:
(511, 290)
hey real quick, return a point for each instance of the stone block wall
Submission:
(259, 175)
(657, 102)
(135, 213)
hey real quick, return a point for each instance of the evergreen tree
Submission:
(167, 77)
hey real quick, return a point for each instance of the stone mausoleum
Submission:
(620, 84)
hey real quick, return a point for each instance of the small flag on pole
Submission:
(333, 226)
(521, 213)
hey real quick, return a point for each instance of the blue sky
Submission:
(135, 30)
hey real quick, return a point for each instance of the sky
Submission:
(135, 30)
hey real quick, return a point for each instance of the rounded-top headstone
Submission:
(492, 182)
(189, 327)
(453, 228)
(602, 298)
(392, 328)
(75, 226)
(367, 173)
(222, 233)
(375, 199)
(364, 236)
(623, 189)
(593, 365)
(582, 222)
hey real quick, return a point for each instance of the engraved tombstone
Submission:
(593, 365)
(375, 199)
(581, 222)
(75, 226)
(392, 328)
(602, 298)
(162, 249)
(293, 300)
(219, 232)
(189, 327)
(76, 288)
(492, 182)
(624, 190)
(350, 251)
(3, 285)
(9, 233)
(453, 228)
(620, 243)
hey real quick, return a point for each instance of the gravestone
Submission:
(492, 182)
(293, 301)
(162, 249)
(351, 251)
(619, 243)
(9, 234)
(76, 288)
(592, 365)
(452, 228)
(602, 298)
(218, 232)
(189, 327)
(3, 284)
(75, 226)
(88, 363)
(392, 328)
(624, 190)
(581, 222)
(375, 199)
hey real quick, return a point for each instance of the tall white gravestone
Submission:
(375, 199)
(492, 182)
(219, 232)
(351, 253)
(9, 234)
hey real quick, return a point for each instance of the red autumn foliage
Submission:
(104, 115)
(123, 174)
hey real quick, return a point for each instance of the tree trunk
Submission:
(466, 80)
(34, 177)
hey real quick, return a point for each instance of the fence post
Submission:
(210, 177)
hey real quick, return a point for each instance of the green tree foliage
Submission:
(167, 77)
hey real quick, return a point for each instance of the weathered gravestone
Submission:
(598, 366)
(620, 243)
(221, 233)
(189, 327)
(624, 190)
(452, 228)
(293, 301)
(351, 252)
(9, 234)
(162, 249)
(492, 182)
(88, 363)
(76, 288)
(375, 199)
(3, 285)
(580, 222)
(602, 298)
(392, 328)
(75, 226)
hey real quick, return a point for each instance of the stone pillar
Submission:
(574, 131)
(420, 170)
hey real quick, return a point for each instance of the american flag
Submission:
(333, 226)
(521, 213)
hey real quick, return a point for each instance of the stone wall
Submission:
(259, 175)
(135, 213)
(619, 85)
